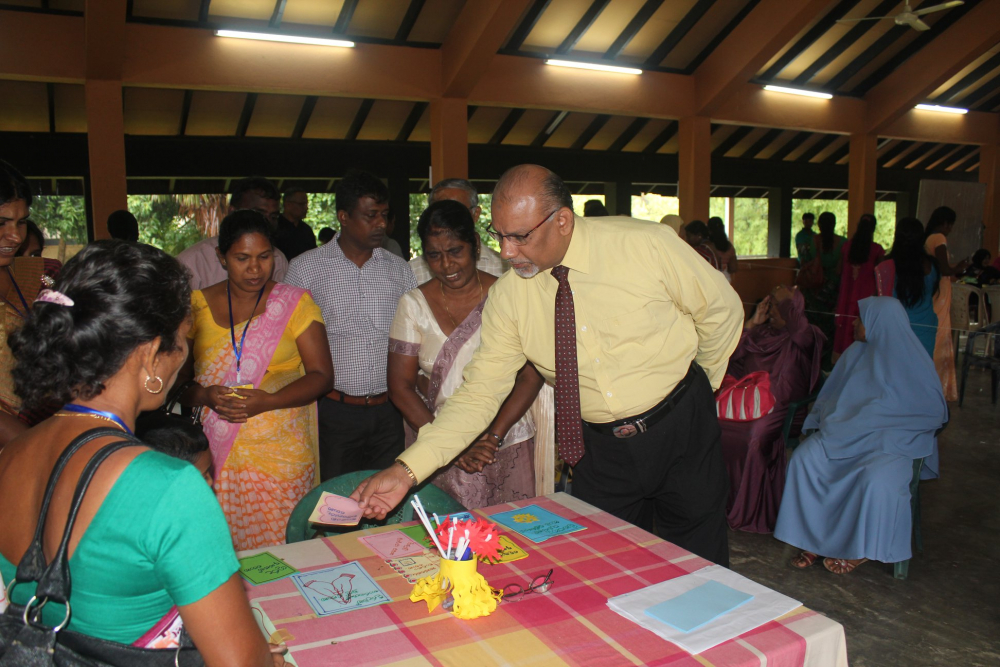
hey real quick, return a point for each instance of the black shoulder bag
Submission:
(24, 640)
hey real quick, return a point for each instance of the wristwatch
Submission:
(497, 438)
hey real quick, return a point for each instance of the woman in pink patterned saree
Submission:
(260, 358)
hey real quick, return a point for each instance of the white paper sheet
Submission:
(766, 606)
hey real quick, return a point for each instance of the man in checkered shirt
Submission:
(357, 285)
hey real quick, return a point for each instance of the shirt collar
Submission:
(338, 252)
(577, 255)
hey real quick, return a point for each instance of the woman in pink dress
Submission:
(860, 255)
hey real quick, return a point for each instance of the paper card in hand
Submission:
(334, 510)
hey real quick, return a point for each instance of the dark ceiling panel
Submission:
(587, 20)
(663, 137)
(633, 27)
(522, 31)
(808, 39)
(680, 30)
(738, 135)
(629, 134)
(971, 78)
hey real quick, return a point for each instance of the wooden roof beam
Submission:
(104, 30)
(479, 31)
(768, 28)
(946, 55)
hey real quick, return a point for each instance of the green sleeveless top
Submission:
(159, 539)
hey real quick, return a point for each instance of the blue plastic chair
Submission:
(299, 528)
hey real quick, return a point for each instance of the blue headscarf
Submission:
(884, 395)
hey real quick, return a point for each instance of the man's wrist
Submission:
(409, 473)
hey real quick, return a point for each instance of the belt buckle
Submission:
(629, 430)
(368, 398)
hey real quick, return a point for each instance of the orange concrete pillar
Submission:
(861, 178)
(989, 174)
(449, 138)
(106, 148)
(694, 161)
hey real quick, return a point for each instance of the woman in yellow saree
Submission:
(260, 359)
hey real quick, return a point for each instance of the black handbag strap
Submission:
(32, 564)
(54, 579)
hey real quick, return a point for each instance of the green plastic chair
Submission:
(793, 409)
(299, 528)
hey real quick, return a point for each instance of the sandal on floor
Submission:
(842, 565)
(803, 560)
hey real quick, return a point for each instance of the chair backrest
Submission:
(991, 332)
(299, 528)
(961, 316)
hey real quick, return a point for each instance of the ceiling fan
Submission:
(910, 17)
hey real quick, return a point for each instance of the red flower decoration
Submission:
(483, 537)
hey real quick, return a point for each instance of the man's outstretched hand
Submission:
(379, 494)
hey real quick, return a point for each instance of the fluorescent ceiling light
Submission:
(293, 39)
(936, 107)
(798, 91)
(600, 68)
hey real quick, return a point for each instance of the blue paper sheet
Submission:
(689, 611)
(334, 590)
(535, 523)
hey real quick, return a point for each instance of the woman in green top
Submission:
(150, 538)
(822, 301)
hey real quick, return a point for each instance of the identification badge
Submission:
(239, 386)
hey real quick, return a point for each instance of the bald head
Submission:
(534, 181)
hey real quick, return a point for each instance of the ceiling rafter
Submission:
(763, 142)
(590, 132)
(409, 20)
(359, 120)
(751, 44)
(817, 148)
(949, 18)
(849, 38)
(679, 32)
(416, 113)
(549, 128)
(278, 14)
(808, 39)
(738, 135)
(987, 88)
(665, 135)
(345, 16)
(582, 26)
(305, 114)
(527, 24)
(473, 41)
(248, 105)
(632, 29)
(948, 53)
(878, 47)
(971, 78)
(506, 126)
(203, 11)
(720, 36)
(185, 112)
(630, 132)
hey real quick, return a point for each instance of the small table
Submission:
(569, 625)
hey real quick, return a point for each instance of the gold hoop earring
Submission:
(158, 389)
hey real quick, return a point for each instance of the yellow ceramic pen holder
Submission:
(460, 578)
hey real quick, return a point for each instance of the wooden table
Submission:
(569, 625)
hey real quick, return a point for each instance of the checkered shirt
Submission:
(358, 306)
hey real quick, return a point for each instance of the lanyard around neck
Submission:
(238, 351)
(110, 416)
(20, 296)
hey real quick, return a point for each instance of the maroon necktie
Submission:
(569, 430)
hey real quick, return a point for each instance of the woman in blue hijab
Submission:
(847, 490)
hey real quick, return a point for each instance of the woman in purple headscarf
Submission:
(779, 340)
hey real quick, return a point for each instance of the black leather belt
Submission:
(632, 426)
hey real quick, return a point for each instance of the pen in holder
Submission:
(458, 576)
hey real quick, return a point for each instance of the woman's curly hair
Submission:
(125, 294)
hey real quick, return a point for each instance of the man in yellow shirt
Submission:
(643, 328)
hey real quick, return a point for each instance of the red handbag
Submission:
(745, 399)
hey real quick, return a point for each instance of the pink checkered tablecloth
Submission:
(569, 625)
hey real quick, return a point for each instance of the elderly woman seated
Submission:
(780, 341)
(847, 495)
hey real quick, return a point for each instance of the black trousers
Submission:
(672, 476)
(354, 437)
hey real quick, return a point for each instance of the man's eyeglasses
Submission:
(516, 592)
(516, 239)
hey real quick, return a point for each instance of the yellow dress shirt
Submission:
(646, 305)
